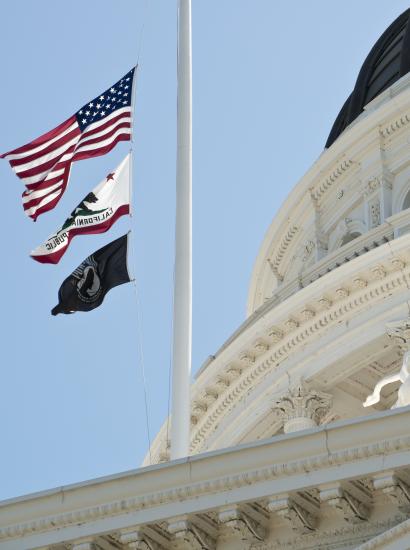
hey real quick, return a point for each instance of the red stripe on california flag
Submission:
(54, 257)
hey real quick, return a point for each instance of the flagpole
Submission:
(182, 337)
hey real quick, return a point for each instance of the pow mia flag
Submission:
(87, 285)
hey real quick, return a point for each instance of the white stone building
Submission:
(283, 453)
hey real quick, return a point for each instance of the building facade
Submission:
(283, 453)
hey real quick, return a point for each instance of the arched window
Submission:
(349, 237)
(406, 202)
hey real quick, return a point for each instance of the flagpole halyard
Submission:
(182, 336)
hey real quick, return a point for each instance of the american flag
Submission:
(44, 164)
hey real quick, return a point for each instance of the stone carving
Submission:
(275, 334)
(351, 500)
(360, 283)
(331, 178)
(260, 346)
(308, 314)
(398, 263)
(399, 332)
(325, 303)
(245, 522)
(246, 359)
(300, 511)
(189, 536)
(372, 185)
(275, 271)
(374, 213)
(301, 408)
(342, 292)
(307, 250)
(291, 324)
(403, 397)
(379, 272)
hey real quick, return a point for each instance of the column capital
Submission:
(302, 407)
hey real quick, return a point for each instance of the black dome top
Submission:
(388, 61)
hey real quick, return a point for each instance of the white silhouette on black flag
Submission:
(87, 285)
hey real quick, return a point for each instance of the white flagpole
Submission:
(182, 337)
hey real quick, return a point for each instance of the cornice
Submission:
(324, 450)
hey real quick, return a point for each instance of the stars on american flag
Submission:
(116, 97)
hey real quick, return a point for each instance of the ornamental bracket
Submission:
(395, 485)
(300, 511)
(248, 522)
(188, 535)
(350, 499)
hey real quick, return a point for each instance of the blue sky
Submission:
(269, 78)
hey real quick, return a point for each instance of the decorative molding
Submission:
(244, 521)
(275, 334)
(341, 168)
(379, 272)
(398, 263)
(174, 495)
(342, 293)
(325, 303)
(260, 346)
(281, 251)
(394, 125)
(374, 213)
(307, 314)
(291, 324)
(360, 283)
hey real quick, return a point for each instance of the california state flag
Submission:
(96, 213)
